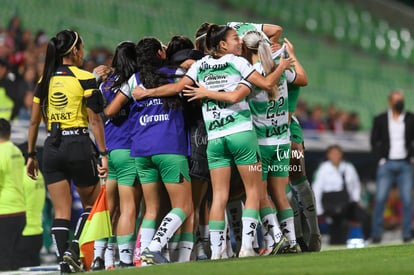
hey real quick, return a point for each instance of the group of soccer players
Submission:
(204, 146)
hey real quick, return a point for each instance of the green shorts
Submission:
(239, 148)
(121, 167)
(296, 134)
(275, 160)
(169, 168)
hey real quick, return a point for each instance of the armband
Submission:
(95, 102)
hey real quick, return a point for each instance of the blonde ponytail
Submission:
(254, 40)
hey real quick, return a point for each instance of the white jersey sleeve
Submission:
(132, 83)
(290, 75)
(125, 89)
(192, 71)
(242, 28)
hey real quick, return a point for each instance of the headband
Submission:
(201, 36)
(73, 45)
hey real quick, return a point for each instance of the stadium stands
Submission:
(351, 56)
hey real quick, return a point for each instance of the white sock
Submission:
(185, 249)
(99, 247)
(110, 253)
(249, 225)
(146, 236)
(270, 221)
(217, 238)
(287, 225)
(171, 222)
(267, 239)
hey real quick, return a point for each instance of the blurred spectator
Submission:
(341, 120)
(16, 32)
(392, 142)
(331, 116)
(338, 121)
(12, 201)
(302, 111)
(6, 45)
(32, 237)
(30, 78)
(13, 93)
(336, 175)
(353, 123)
(97, 56)
(316, 120)
(7, 88)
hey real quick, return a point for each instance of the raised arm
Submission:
(273, 32)
(162, 91)
(116, 104)
(301, 77)
(271, 79)
(201, 92)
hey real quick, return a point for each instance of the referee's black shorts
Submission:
(74, 158)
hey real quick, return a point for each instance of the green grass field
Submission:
(392, 259)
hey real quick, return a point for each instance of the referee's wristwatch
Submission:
(32, 154)
(104, 153)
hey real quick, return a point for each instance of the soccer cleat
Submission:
(153, 257)
(281, 246)
(247, 253)
(293, 249)
(355, 243)
(314, 243)
(215, 256)
(265, 252)
(138, 262)
(125, 265)
(72, 259)
(376, 239)
(98, 264)
(202, 257)
(303, 246)
(64, 268)
(199, 250)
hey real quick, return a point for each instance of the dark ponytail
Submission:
(59, 46)
(124, 62)
(149, 65)
(215, 34)
(200, 37)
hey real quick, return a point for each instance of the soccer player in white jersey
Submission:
(298, 178)
(230, 131)
(272, 241)
(271, 121)
(272, 236)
